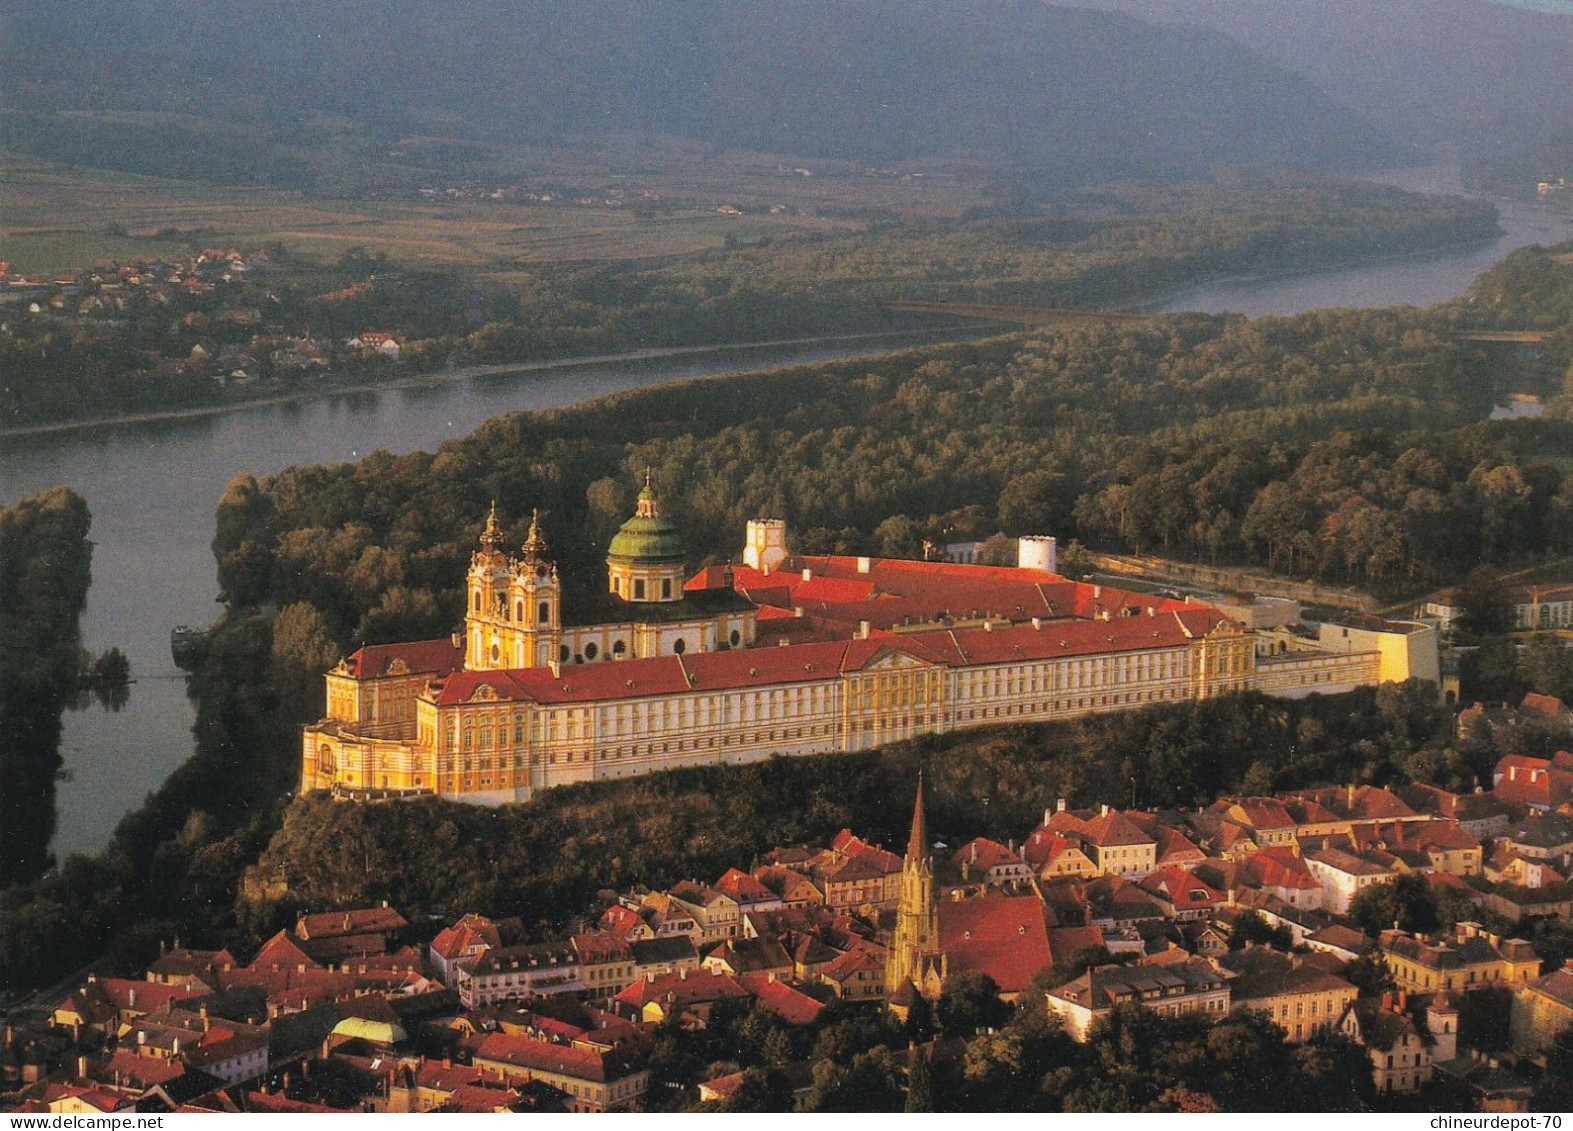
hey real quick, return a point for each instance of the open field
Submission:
(54, 218)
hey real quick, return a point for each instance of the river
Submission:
(152, 486)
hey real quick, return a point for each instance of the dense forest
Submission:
(1116, 245)
(45, 567)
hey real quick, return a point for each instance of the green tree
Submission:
(869, 1082)
(1554, 1092)
(761, 1090)
(1485, 604)
(920, 1083)
(1406, 900)
(970, 1002)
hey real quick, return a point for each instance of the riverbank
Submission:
(467, 372)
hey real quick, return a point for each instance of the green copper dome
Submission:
(647, 538)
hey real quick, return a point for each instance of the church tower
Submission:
(513, 615)
(644, 563)
(536, 596)
(486, 604)
(915, 960)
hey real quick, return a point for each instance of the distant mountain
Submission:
(1475, 76)
(1063, 93)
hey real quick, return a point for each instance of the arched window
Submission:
(563, 654)
(518, 611)
(680, 646)
(545, 613)
(619, 648)
(639, 589)
(736, 638)
(591, 651)
(325, 758)
(477, 600)
(666, 589)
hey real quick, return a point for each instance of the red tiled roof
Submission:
(148, 996)
(330, 924)
(143, 1071)
(980, 854)
(795, 1008)
(541, 1056)
(684, 988)
(743, 887)
(1115, 828)
(433, 657)
(1183, 890)
(1066, 941)
(1547, 706)
(1278, 867)
(850, 963)
(471, 931)
(1522, 780)
(1003, 937)
(282, 952)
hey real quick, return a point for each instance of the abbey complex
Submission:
(786, 654)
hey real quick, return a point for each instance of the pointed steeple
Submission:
(918, 842)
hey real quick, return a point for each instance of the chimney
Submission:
(1037, 624)
(81, 1066)
(203, 1013)
(557, 668)
(141, 1036)
(1059, 805)
(1104, 810)
(682, 974)
(131, 998)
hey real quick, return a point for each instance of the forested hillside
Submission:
(1472, 77)
(45, 565)
(275, 92)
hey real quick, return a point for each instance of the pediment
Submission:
(891, 658)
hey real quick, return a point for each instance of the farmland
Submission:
(53, 219)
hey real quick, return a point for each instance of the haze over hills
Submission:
(1066, 94)
(1477, 77)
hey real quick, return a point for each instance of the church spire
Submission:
(535, 547)
(918, 842)
(491, 537)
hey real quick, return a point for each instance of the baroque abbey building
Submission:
(780, 655)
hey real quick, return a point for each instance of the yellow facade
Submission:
(494, 745)
(558, 712)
